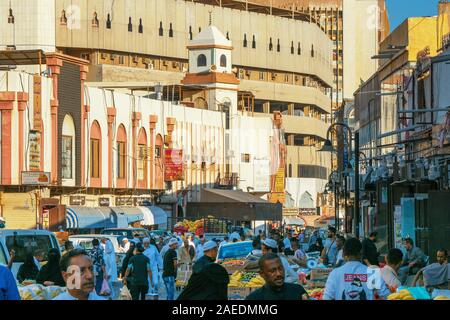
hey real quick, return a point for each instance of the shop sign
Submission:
(37, 103)
(124, 201)
(144, 201)
(173, 165)
(103, 202)
(34, 147)
(279, 181)
(77, 200)
(35, 178)
(290, 212)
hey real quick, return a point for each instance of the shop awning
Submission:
(127, 215)
(293, 221)
(88, 218)
(153, 215)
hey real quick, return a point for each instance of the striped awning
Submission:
(88, 218)
(126, 215)
(153, 215)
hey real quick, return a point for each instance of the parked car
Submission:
(234, 250)
(128, 232)
(85, 241)
(24, 242)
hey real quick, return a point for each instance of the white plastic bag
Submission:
(125, 294)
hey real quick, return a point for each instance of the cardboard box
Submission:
(320, 273)
(239, 293)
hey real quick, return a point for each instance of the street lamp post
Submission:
(328, 147)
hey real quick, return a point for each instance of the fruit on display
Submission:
(246, 279)
(441, 298)
(316, 294)
(401, 295)
(188, 226)
(40, 292)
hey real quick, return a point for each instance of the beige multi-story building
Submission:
(284, 61)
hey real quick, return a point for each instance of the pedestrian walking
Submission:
(151, 252)
(138, 274)
(99, 266)
(170, 268)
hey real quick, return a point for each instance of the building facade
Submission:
(287, 69)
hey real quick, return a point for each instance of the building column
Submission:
(153, 119)
(55, 65)
(7, 99)
(135, 118)
(85, 109)
(22, 99)
(266, 107)
(111, 113)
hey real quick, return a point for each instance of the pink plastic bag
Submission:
(106, 290)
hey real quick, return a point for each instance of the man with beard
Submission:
(350, 282)
(369, 250)
(78, 273)
(275, 288)
(330, 250)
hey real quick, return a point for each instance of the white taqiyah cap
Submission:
(173, 241)
(209, 245)
(270, 243)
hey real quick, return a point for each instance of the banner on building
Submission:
(37, 89)
(34, 153)
(261, 175)
(173, 165)
(35, 178)
(77, 200)
(279, 181)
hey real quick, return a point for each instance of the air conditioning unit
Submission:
(135, 59)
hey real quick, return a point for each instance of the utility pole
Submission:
(356, 209)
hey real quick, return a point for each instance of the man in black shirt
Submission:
(369, 250)
(170, 268)
(140, 271)
(271, 269)
(209, 256)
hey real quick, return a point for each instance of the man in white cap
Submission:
(209, 256)
(170, 268)
(125, 245)
(270, 245)
(199, 249)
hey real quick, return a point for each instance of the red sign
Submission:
(173, 165)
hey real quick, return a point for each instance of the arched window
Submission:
(68, 148)
(141, 27)
(108, 21)
(95, 150)
(270, 45)
(142, 156)
(95, 22)
(306, 201)
(161, 30)
(223, 61)
(121, 152)
(201, 61)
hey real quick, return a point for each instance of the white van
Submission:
(24, 242)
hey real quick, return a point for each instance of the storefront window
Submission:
(66, 165)
(95, 158)
(121, 156)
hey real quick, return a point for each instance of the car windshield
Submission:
(24, 244)
(236, 250)
(124, 233)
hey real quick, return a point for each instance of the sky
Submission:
(399, 10)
